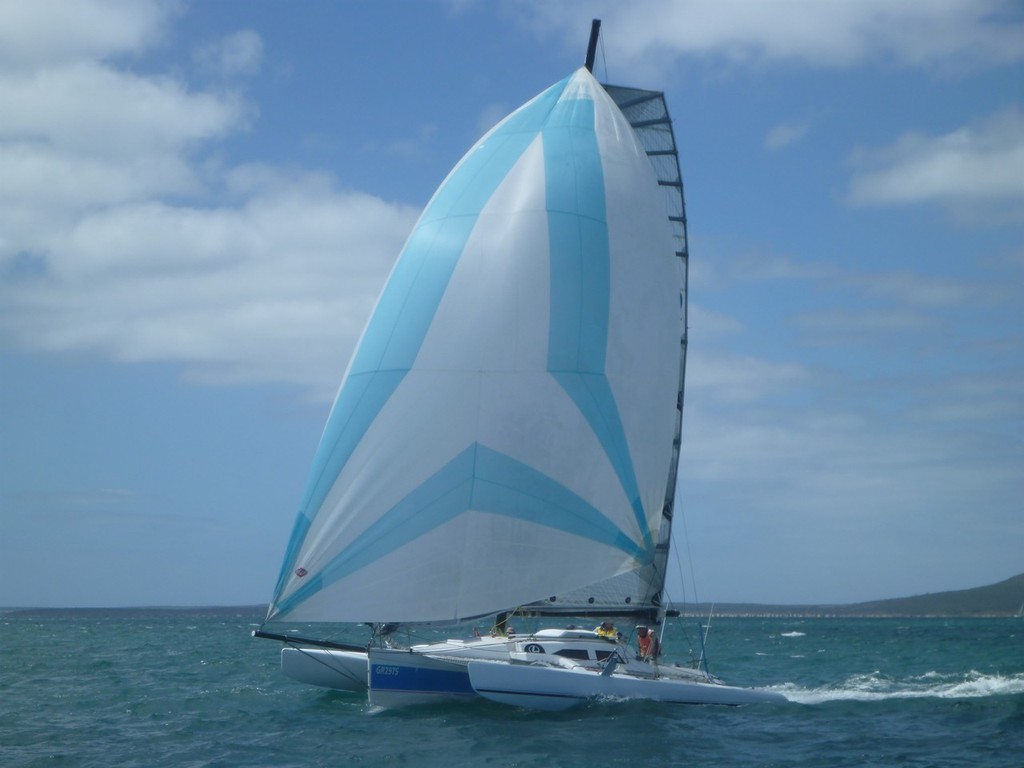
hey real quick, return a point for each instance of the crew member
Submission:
(647, 642)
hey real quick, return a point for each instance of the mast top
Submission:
(595, 30)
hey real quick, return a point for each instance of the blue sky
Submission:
(200, 201)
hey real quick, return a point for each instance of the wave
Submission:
(793, 634)
(875, 686)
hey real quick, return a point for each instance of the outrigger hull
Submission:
(553, 688)
(327, 668)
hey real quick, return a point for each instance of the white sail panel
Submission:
(510, 408)
(648, 115)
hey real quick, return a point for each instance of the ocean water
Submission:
(194, 689)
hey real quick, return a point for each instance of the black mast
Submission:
(595, 30)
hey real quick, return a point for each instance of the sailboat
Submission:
(505, 441)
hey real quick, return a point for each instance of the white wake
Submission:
(875, 686)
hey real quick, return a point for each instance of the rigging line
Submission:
(702, 635)
(689, 558)
(703, 641)
(696, 599)
(679, 565)
(341, 672)
(604, 58)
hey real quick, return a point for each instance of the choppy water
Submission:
(196, 690)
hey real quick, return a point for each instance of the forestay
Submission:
(507, 430)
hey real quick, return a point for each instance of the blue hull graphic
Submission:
(398, 677)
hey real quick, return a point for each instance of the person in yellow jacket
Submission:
(607, 629)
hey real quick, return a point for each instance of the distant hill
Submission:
(1002, 599)
(1005, 598)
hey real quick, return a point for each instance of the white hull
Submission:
(340, 670)
(533, 671)
(552, 670)
(553, 688)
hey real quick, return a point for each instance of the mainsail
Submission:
(507, 431)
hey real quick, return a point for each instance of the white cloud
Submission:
(879, 325)
(967, 399)
(93, 108)
(38, 175)
(79, 135)
(761, 266)
(274, 290)
(109, 242)
(710, 324)
(736, 378)
(64, 31)
(915, 32)
(978, 164)
(783, 135)
(913, 289)
(239, 53)
(845, 474)
(411, 146)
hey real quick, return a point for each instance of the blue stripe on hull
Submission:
(399, 678)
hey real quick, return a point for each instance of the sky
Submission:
(199, 203)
